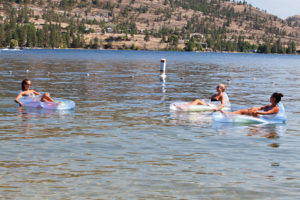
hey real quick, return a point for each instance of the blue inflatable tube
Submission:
(59, 104)
(280, 117)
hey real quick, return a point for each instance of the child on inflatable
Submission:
(266, 110)
(31, 93)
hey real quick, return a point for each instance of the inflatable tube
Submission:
(59, 104)
(30, 101)
(182, 106)
(236, 118)
(280, 117)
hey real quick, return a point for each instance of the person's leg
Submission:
(242, 112)
(197, 102)
(46, 98)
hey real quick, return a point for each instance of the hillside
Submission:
(294, 20)
(211, 25)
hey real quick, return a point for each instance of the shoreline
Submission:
(223, 52)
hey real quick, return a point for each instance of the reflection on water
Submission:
(26, 115)
(122, 142)
(262, 130)
(191, 118)
(31, 112)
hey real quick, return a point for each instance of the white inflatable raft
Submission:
(182, 106)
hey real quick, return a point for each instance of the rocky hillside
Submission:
(294, 20)
(219, 25)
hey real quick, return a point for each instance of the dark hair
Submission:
(277, 96)
(24, 82)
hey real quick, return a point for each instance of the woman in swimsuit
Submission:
(216, 97)
(266, 110)
(27, 92)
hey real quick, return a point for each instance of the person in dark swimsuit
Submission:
(27, 92)
(216, 97)
(266, 110)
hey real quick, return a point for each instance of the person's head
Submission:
(25, 84)
(222, 87)
(276, 97)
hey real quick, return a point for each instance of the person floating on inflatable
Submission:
(270, 109)
(26, 92)
(217, 101)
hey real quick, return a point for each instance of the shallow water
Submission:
(122, 142)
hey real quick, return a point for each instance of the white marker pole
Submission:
(163, 63)
(163, 75)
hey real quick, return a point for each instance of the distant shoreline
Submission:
(20, 49)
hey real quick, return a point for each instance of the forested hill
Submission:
(190, 25)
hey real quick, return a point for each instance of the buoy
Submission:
(163, 63)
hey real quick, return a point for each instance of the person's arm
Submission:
(17, 99)
(35, 92)
(258, 108)
(223, 102)
(274, 110)
(263, 107)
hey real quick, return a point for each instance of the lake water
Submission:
(122, 142)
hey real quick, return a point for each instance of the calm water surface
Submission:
(122, 142)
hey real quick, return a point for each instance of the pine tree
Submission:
(2, 36)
